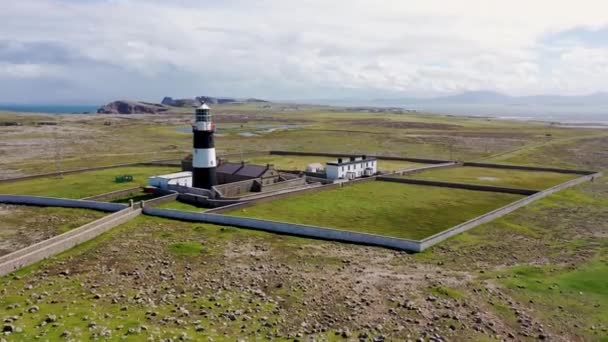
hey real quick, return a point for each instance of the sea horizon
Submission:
(583, 114)
(50, 108)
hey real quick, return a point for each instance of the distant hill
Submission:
(132, 107)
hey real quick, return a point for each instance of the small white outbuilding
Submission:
(178, 178)
(314, 167)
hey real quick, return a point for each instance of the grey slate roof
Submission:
(247, 170)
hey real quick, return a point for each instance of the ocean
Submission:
(568, 114)
(50, 109)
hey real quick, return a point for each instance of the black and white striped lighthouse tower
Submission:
(203, 155)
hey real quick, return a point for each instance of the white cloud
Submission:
(27, 71)
(282, 49)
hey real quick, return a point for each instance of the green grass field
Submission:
(399, 210)
(83, 184)
(300, 162)
(498, 177)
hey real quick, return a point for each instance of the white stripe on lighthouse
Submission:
(203, 158)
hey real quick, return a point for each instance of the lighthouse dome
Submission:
(204, 106)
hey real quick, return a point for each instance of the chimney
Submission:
(352, 158)
(339, 160)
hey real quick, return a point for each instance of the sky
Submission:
(95, 51)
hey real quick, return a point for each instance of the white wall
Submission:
(163, 182)
(337, 172)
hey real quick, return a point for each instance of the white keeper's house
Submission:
(351, 168)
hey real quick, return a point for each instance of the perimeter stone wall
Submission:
(288, 228)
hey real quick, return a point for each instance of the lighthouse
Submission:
(203, 154)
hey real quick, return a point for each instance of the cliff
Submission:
(132, 107)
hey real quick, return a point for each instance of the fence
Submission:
(528, 168)
(337, 155)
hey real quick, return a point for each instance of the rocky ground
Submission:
(22, 226)
(161, 279)
(510, 279)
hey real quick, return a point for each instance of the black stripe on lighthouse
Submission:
(203, 139)
(203, 160)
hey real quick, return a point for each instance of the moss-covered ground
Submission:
(383, 208)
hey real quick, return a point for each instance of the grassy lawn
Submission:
(83, 184)
(399, 210)
(498, 177)
(300, 162)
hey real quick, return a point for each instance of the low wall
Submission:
(175, 162)
(244, 154)
(288, 228)
(528, 168)
(161, 200)
(284, 184)
(185, 189)
(61, 202)
(489, 188)
(203, 201)
(235, 189)
(337, 155)
(272, 197)
(68, 172)
(110, 196)
(424, 168)
(432, 240)
(61, 243)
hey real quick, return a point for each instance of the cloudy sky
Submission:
(93, 51)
